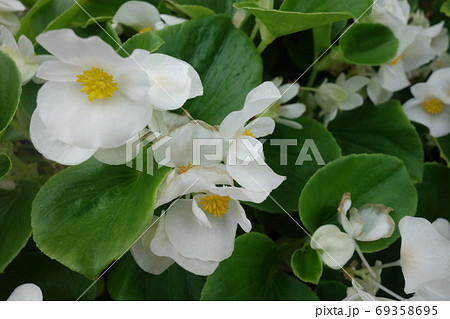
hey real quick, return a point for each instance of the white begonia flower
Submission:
(142, 16)
(26, 292)
(335, 247)
(376, 93)
(196, 233)
(341, 95)
(280, 111)
(244, 156)
(22, 52)
(189, 145)
(370, 222)
(93, 98)
(172, 81)
(430, 105)
(424, 254)
(8, 14)
(438, 289)
(392, 13)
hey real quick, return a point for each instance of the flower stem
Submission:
(388, 265)
(364, 261)
(387, 290)
(307, 88)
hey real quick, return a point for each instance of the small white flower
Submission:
(280, 111)
(22, 52)
(93, 98)
(244, 154)
(196, 233)
(430, 105)
(392, 13)
(8, 14)
(424, 254)
(26, 292)
(370, 222)
(334, 246)
(142, 16)
(376, 92)
(341, 95)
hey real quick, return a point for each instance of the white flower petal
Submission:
(261, 126)
(292, 111)
(443, 227)
(137, 15)
(425, 254)
(354, 100)
(288, 123)
(238, 211)
(438, 290)
(171, 20)
(258, 99)
(376, 92)
(393, 77)
(70, 117)
(59, 71)
(355, 83)
(288, 92)
(161, 246)
(54, 149)
(376, 222)
(26, 292)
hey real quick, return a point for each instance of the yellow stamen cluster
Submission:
(145, 30)
(395, 62)
(97, 84)
(248, 132)
(185, 168)
(215, 204)
(433, 106)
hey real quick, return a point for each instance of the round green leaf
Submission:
(88, 215)
(56, 281)
(380, 129)
(432, 204)
(295, 16)
(368, 43)
(225, 59)
(149, 41)
(307, 264)
(10, 89)
(127, 281)
(313, 133)
(371, 179)
(251, 274)
(5, 165)
(222, 6)
(15, 220)
(444, 147)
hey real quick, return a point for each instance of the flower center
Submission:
(97, 84)
(248, 132)
(433, 106)
(185, 168)
(145, 30)
(395, 62)
(215, 204)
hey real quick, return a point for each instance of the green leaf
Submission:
(192, 11)
(313, 133)
(10, 89)
(88, 215)
(222, 6)
(369, 44)
(444, 146)
(56, 281)
(331, 290)
(41, 15)
(28, 97)
(445, 8)
(371, 179)
(15, 220)
(225, 59)
(295, 16)
(322, 39)
(149, 41)
(5, 165)
(251, 274)
(432, 204)
(307, 264)
(127, 281)
(380, 129)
